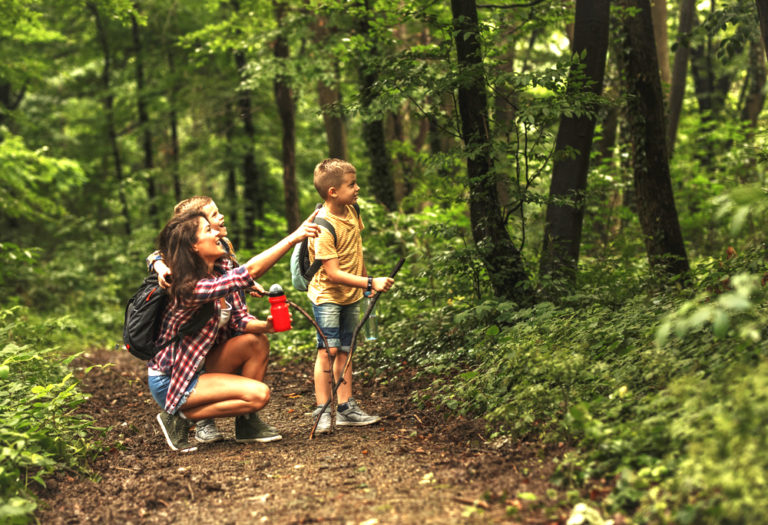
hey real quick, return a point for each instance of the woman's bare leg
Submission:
(245, 355)
(222, 395)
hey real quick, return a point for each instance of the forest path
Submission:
(410, 468)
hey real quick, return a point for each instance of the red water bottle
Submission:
(281, 319)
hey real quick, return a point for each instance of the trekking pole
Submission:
(327, 350)
(353, 345)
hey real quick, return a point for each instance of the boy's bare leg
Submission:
(345, 389)
(322, 380)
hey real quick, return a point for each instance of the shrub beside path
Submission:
(413, 467)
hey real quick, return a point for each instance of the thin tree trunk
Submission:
(755, 98)
(144, 126)
(680, 70)
(236, 228)
(381, 180)
(501, 258)
(286, 108)
(109, 113)
(174, 122)
(762, 15)
(659, 12)
(645, 111)
(562, 236)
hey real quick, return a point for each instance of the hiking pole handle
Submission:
(397, 267)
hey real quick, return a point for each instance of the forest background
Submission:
(577, 187)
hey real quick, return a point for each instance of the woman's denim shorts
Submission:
(158, 385)
(337, 322)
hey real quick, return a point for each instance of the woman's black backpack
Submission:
(144, 313)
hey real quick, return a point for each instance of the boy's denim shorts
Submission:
(158, 386)
(337, 322)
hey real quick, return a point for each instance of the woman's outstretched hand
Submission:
(307, 229)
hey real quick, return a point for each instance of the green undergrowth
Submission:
(661, 389)
(41, 431)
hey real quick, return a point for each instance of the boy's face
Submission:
(215, 218)
(347, 191)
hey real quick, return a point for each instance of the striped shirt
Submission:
(183, 359)
(348, 249)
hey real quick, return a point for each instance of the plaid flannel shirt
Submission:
(182, 359)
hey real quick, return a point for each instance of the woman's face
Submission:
(215, 218)
(208, 245)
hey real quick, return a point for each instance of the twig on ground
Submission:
(473, 502)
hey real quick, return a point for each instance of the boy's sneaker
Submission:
(354, 416)
(324, 425)
(176, 431)
(250, 428)
(206, 431)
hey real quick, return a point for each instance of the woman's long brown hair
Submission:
(176, 242)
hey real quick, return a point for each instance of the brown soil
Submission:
(413, 467)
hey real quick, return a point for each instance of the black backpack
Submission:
(301, 269)
(144, 313)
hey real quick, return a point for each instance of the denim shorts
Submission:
(337, 322)
(158, 386)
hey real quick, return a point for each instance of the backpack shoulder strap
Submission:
(327, 225)
(356, 206)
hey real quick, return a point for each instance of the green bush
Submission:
(40, 429)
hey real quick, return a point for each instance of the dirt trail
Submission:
(410, 468)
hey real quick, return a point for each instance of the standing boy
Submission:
(337, 288)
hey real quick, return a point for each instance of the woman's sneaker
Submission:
(176, 431)
(324, 425)
(250, 427)
(206, 431)
(354, 416)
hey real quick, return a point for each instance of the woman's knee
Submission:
(257, 395)
(257, 344)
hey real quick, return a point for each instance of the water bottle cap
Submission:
(276, 290)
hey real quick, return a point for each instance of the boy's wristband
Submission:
(370, 284)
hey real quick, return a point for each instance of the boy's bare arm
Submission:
(339, 276)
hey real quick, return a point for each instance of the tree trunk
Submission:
(755, 97)
(659, 13)
(109, 113)
(144, 127)
(253, 203)
(645, 111)
(329, 98)
(286, 108)
(680, 70)
(381, 180)
(174, 122)
(501, 258)
(562, 236)
(235, 230)
(762, 15)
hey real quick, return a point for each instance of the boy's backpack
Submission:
(302, 270)
(144, 313)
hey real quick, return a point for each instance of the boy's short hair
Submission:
(329, 173)
(196, 203)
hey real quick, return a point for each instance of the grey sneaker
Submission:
(176, 431)
(324, 425)
(206, 431)
(354, 416)
(250, 428)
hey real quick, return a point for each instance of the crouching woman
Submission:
(213, 372)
